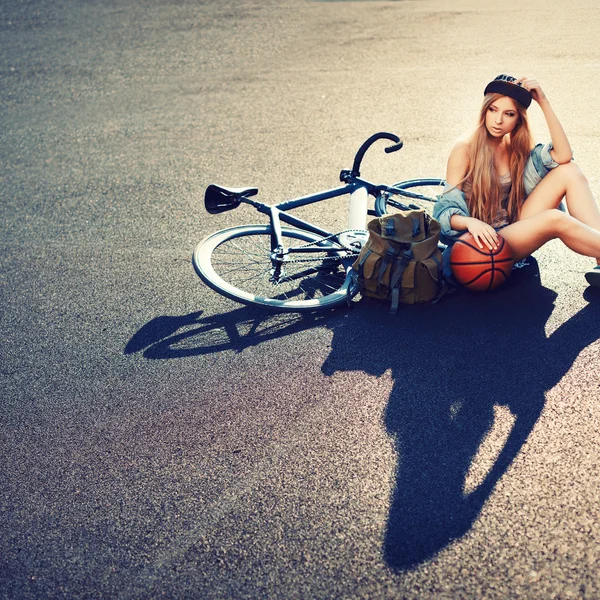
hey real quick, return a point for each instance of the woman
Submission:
(497, 181)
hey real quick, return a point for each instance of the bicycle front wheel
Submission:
(239, 264)
(421, 193)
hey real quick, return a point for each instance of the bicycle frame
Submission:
(278, 212)
(345, 250)
(290, 263)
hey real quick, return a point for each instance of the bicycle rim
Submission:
(421, 193)
(237, 263)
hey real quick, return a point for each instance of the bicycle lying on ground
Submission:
(302, 267)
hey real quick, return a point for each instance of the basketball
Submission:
(480, 269)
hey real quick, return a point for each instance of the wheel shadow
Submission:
(457, 366)
(195, 334)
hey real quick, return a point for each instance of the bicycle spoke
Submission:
(241, 264)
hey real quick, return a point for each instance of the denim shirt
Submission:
(452, 200)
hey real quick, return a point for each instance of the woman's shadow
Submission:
(457, 366)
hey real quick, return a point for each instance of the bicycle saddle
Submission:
(218, 199)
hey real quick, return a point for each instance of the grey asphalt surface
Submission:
(158, 440)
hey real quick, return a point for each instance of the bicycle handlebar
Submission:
(366, 145)
(394, 148)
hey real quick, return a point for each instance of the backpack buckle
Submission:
(390, 228)
(416, 226)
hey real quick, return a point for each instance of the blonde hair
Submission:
(485, 198)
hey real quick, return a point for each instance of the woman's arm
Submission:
(458, 164)
(561, 152)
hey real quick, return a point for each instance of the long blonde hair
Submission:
(486, 192)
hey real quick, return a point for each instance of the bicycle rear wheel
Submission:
(239, 264)
(421, 193)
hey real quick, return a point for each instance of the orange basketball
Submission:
(480, 269)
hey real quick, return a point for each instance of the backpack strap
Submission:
(442, 279)
(396, 280)
(388, 259)
(358, 274)
(363, 259)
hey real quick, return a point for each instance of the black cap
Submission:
(505, 85)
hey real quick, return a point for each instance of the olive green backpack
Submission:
(401, 260)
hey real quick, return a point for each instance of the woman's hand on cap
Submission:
(533, 87)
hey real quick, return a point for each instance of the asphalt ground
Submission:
(158, 440)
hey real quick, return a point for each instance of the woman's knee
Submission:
(555, 221)
(570, 172)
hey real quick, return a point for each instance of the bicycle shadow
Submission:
(453, 364)
(167, 337)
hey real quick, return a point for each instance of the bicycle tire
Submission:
(241, 256)
(422, 193)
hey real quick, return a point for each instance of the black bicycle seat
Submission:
(218, 199)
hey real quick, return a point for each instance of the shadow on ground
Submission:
(195, 334)
(453, 364)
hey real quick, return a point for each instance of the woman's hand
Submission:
(482, 233)
(533, 87)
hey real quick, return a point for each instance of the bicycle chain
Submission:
(353, 251)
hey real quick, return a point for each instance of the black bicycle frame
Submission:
(278, 212)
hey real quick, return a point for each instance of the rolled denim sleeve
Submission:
(451, 202)
(546, 157)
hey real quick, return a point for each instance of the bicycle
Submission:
(302, 267)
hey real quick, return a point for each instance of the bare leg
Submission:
(527, 235)
(565, 181)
